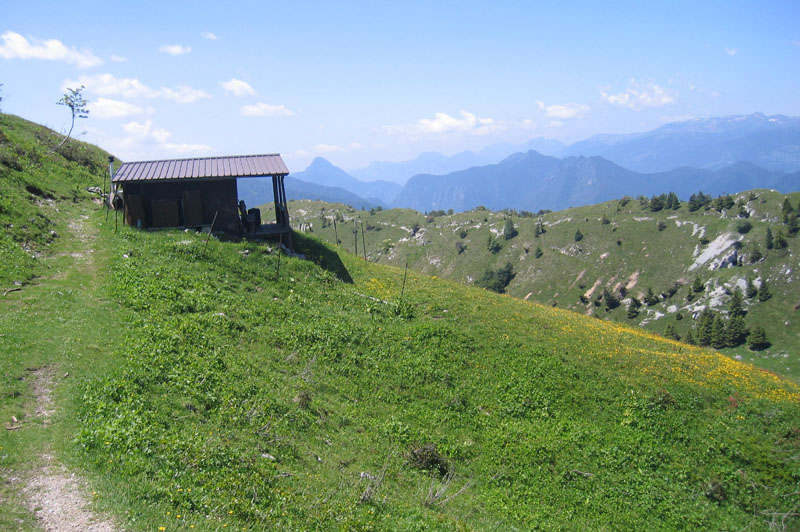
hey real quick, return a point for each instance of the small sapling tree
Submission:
(78, 107)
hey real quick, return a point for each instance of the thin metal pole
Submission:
(280, 243)
(363, 242)
(403, 289)
(210, 231)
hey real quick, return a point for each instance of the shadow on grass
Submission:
(322, 255)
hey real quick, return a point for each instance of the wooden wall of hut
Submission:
(182, 204)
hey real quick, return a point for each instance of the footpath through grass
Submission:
(60, 325)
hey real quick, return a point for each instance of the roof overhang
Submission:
(201, 169)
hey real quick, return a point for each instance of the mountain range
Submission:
(715, 155)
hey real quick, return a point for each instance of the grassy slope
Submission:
(567, 269)
(226, 398)
(555, 420)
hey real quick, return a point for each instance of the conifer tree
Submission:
(610, 301)
(750, 290)
(735, 332)
(690, 338)
(578, 235)
(669, 332)
(736, 305)
(787, 209)
(704, 326)
(698, 285)
(780, 240)
(633, 308)
(538, 253)
(718, 338)
(768, 240)
(757, 340)
(756, 255)
(650, 298)
(509, 231)
(763, 291)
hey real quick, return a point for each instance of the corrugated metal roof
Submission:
(202, 168)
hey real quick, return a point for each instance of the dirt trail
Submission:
(59, 498)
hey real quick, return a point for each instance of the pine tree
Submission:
(578, 235)
(763, 291)
(669, 332)
(698, 285)
(768, 241)
(736, 305)
(633, 308)
(704, 326)
(650, 298)
(751, 290)
(509, 231)
(735, 332)
(718, 339)
(780, 241)
(538, 253)
(757, 340)
(690, 338)
(610, 301)
(787, 209)
(756, 255)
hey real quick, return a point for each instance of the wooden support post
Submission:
(355, 237)
(363, 241)
(210, 231)
(403, 289)
(335, 232)
(280, 243)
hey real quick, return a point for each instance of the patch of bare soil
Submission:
(42, 390)
(57, 499)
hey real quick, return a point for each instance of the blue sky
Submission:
(362, 81)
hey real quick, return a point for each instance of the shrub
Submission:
(497, 280)
(743, 227)
(427, 458)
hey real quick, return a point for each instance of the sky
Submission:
(356, 82)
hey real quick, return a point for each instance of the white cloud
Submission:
(146, 133)
(443, 123)
(731, 51)
(109, 85)
(183, 94)
(238, 87)
(208, 35)
(15, 46)
(641, 96)
(175, 49)
(265, 109)
(564, 111)
(118, 59)
(106, 108)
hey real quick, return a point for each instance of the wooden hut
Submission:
(195, 192)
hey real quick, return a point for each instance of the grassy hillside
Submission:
(37, 182)
(626, 249)
(233, 387)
